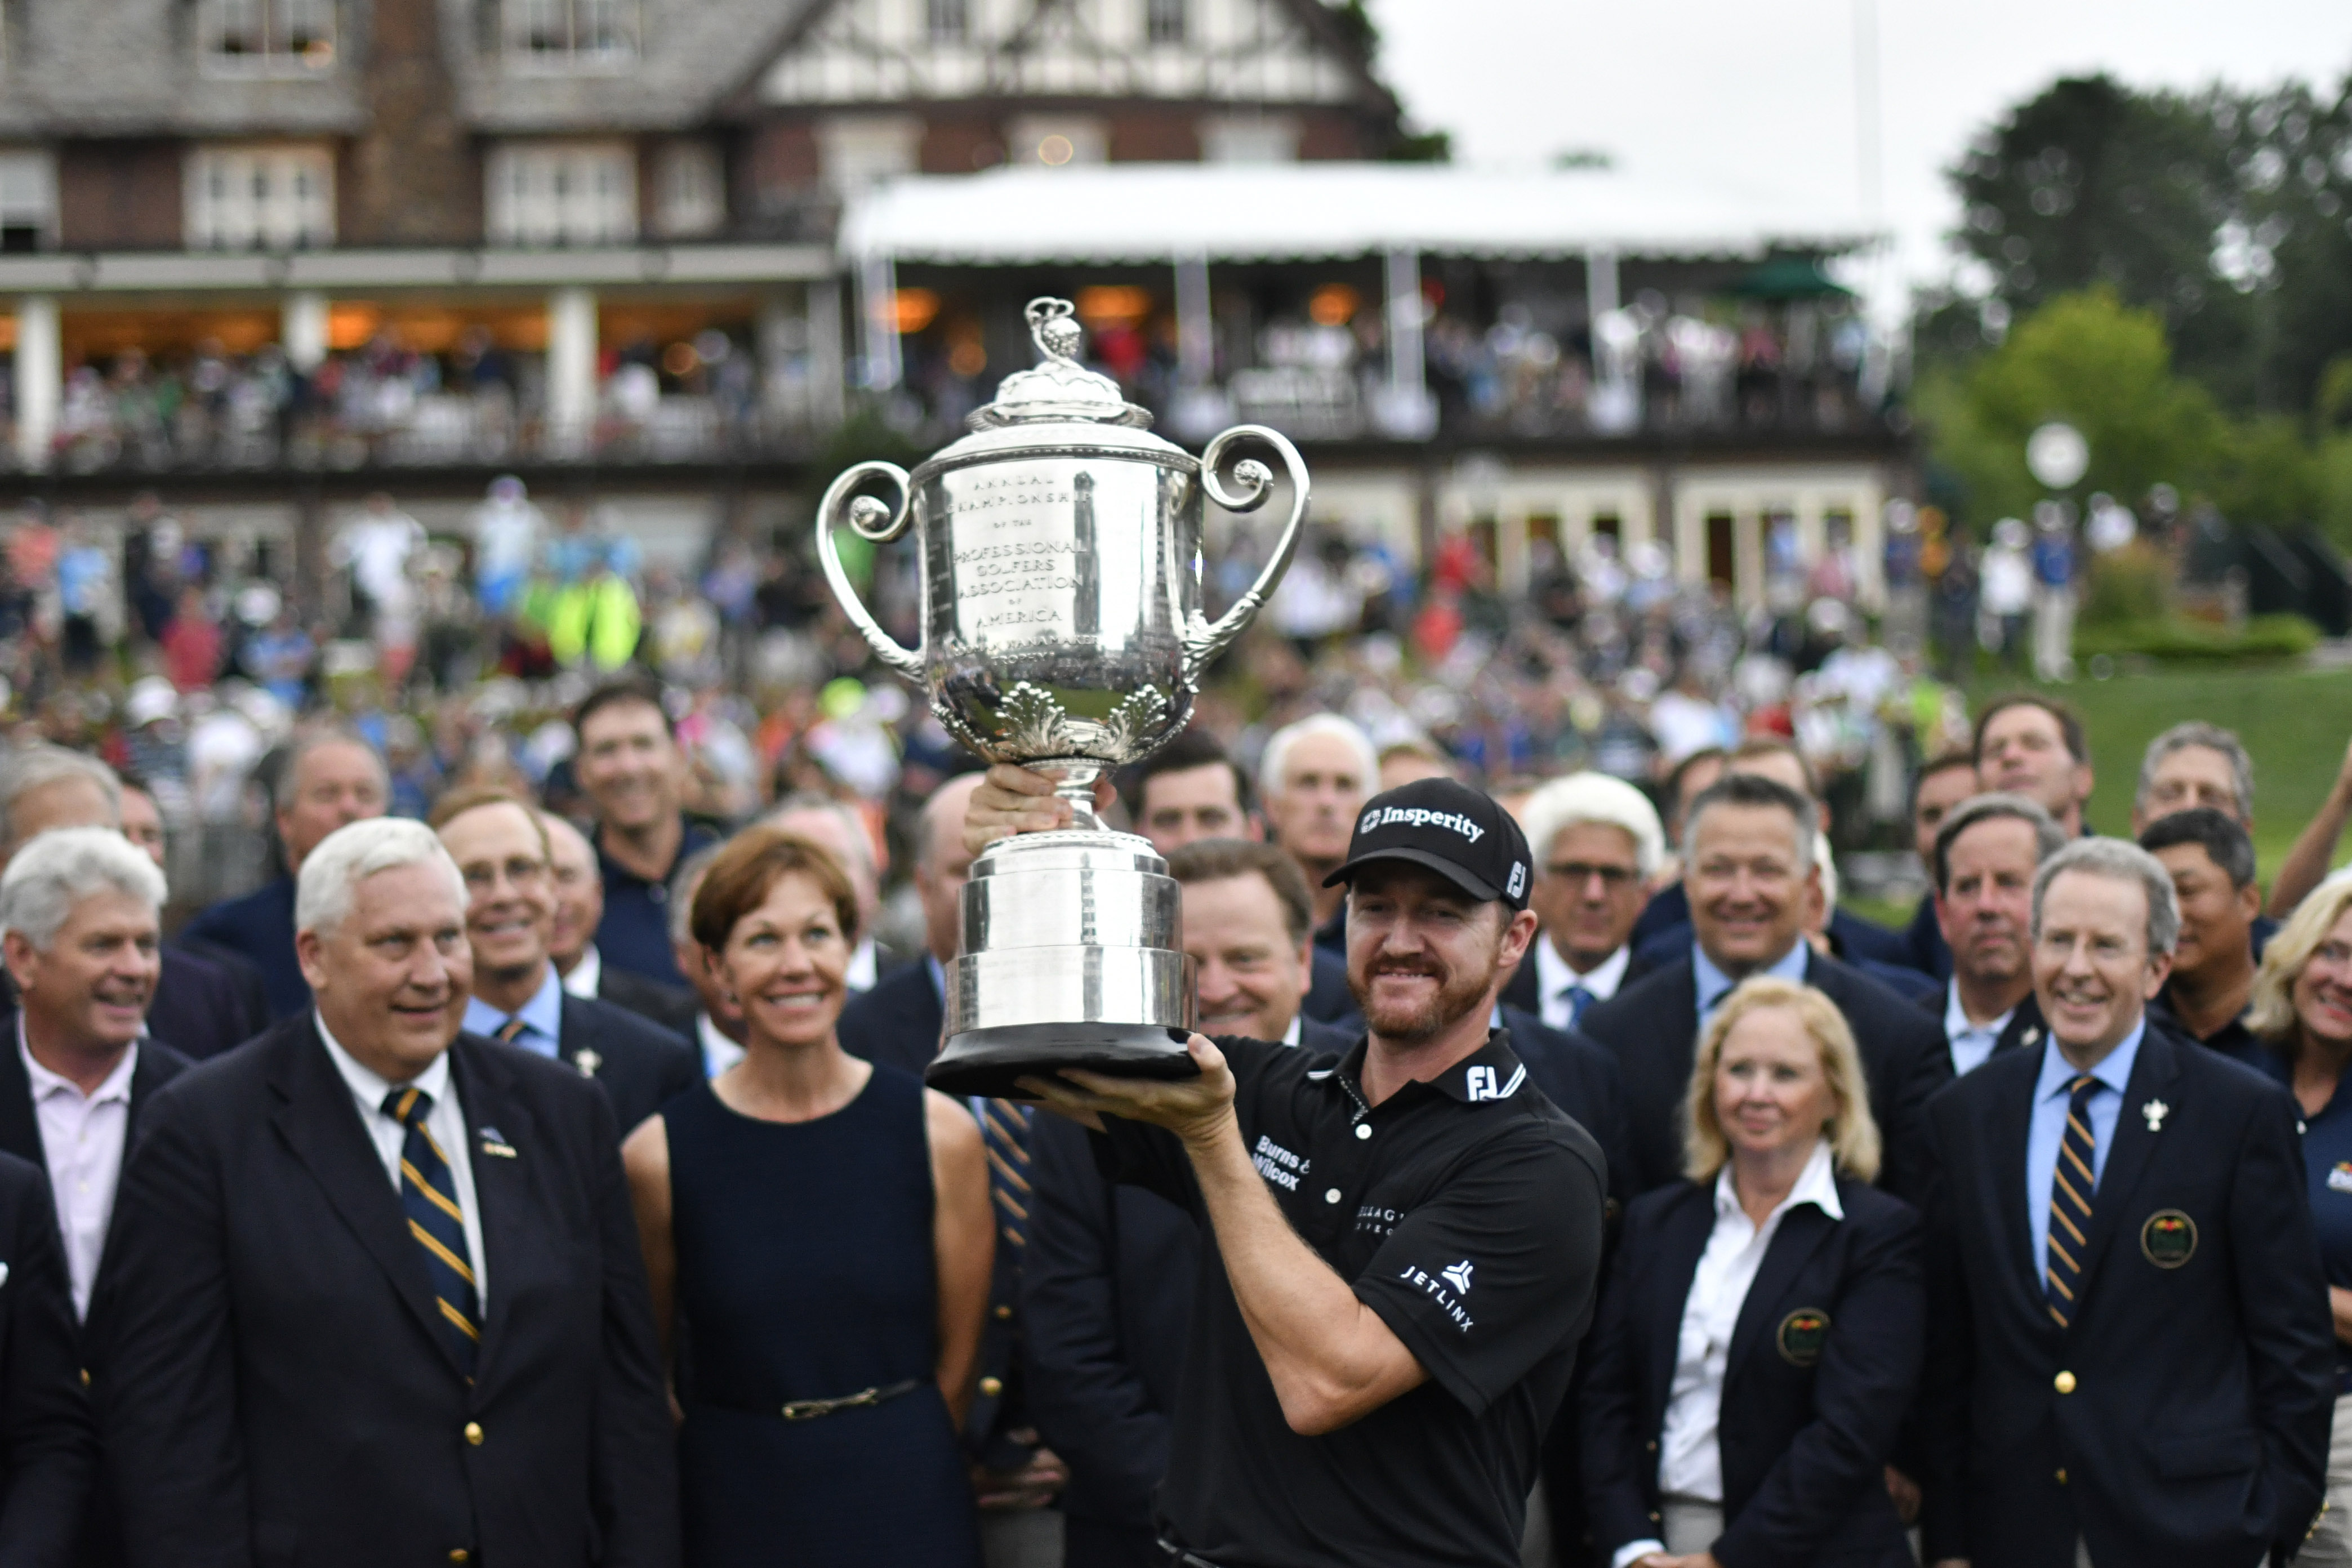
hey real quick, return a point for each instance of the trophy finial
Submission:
(1054, 326)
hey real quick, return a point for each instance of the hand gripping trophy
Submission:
(1062, 630)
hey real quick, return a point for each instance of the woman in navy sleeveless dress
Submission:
(817, 1232)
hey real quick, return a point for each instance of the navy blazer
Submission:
(1824, 1364)
(1929, 952)
(1329, 999)
(639, 1065)
(1652, 1026)
(2198, 1369)
(1107, 1310)
(672, 1007)
(1577, 1074)
(271, 1382)
(198, 1005)
(261, 926)
(244, 976)
(898, 1022)
(48, 1443)
(1865, 945)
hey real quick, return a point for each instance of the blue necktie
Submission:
(1005, 1133)
(430, 1197)
(1579, 999)
(2070, 1203)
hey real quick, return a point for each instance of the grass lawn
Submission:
(2294, 724)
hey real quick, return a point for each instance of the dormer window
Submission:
(267, 37)
(558, 37)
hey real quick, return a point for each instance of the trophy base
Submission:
(988, 1061)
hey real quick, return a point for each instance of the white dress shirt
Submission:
(865, 967)
(445, 1121)
(1972, 1042)
(81, 1143)
(1690, 1459)
(585, 974)
(1556, 977)
(719, 1052)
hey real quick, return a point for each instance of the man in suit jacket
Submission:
(1752, 879)
(500, 847)
(577, 909)
(80, 907)
(373, 1295)
(48, 1444)
(2130, 1350)
(1597, 843)
(1103, 1330)
(329, 779)
(900, 1020)
(1983, 861)
(48, 787)
(143, 824)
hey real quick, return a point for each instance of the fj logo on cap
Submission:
(1519, 882)
(1420, 816)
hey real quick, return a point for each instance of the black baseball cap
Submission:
(1455, 830)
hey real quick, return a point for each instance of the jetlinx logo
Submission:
(1421, 817)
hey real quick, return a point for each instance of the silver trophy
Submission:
(1062, 630)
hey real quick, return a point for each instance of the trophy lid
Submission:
(1060, 388)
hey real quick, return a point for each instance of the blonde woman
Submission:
(2302, 1013)
(1759, 1339)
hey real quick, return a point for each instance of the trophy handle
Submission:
(878, 522)
(1203, 643)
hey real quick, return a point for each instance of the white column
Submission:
(1199, 409)
(877, 290)
(40, 373)
(570, 370)
(302, 330)
(1405, 411)
(828, 373)
(1616, 405)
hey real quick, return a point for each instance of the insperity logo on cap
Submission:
(1453, 829)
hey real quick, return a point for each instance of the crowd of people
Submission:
(538, 1175)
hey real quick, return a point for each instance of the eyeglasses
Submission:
(520, 872)
(1576, 874)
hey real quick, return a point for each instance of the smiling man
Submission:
(629, 767)
(1405, 1240)
(2130, 1354)
(1597, 844)
(2194, 764)
(501, 849)
(1750, 870)
(373, 1293)
(2211, 862)
(80, 906)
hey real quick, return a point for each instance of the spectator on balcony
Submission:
(507, 531)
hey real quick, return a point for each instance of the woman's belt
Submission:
(813, 1409)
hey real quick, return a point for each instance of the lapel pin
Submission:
(588, 1062)
(2031, 1037)
(2155, 1111)
(495, 1142)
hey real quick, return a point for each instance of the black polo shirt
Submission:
(1468, 1213)
(635, 932)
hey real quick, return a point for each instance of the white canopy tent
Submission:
(1190, 214)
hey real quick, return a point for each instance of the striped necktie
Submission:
(508, 1033)
(2070, 1203)
(1004, 1132)
(430, 1197)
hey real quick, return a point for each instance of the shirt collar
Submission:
(543, 1011)
(586, 974)
(2113, 1071)
(1956, 1022)
(116, 1085)
(1290, 1036)
(1817, 1185)
(939, 973)
(1713, 982)
(1555, 975)
(369, 1086)
(1493, 1071)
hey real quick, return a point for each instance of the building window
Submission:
(689, 190)
(267, 37)
(857, 150)
(28, 201)
(571, 35)
(1250, 138)
(948, 21)
(562, 194)
(260, 198)
(1163, 21)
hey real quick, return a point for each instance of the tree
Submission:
(2227, 214)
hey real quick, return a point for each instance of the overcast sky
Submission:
(1762, 96)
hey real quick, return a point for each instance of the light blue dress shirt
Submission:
(543, 1017)
(1714, 985)
(2048, 1128)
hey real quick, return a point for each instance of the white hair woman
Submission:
(1759, 1337)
